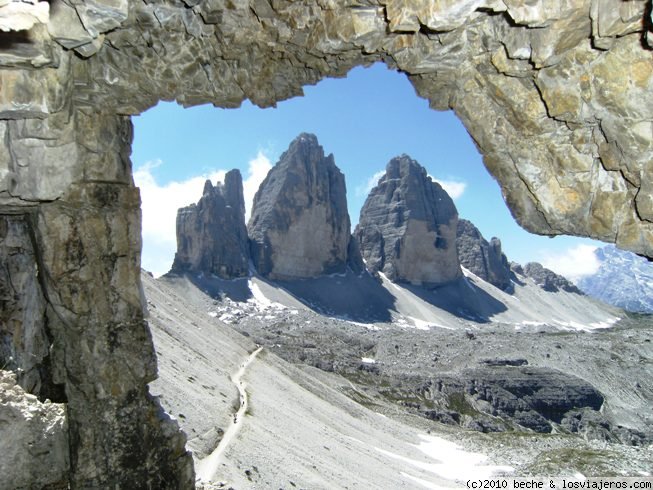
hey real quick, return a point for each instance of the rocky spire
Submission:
(484, 259)
(300, 225)
(407, 227)
(211, 235)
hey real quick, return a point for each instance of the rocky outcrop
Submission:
(556, 95)
(507, 396)
(33, 439)
(300, 225)
(533, 397)
(24, 337)
(484, 259)
(545, 278)
(211, 235)
(407, 227)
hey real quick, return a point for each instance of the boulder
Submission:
(407, 227)
(33, 439)
(211, 235)
(300, 225)
(486, 260)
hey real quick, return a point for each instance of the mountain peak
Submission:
(300, 225)
(623, 279)
(305, 138)
(208, 187)
(407, 226)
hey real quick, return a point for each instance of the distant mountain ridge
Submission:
(624, 279)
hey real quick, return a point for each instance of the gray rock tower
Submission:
(407, 227)
(300, 225)
(211, 235)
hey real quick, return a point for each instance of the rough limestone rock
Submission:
(211, 235)
(24, 338)
(534, 397)
(484, 259)
(545, 278)
(33, 439)
(407, 227)
(70, 286)
(300, 226)
(556, 95)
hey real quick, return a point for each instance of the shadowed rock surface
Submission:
(407, 227)
(211, 235)
(72, 301)
(484, 259)
(300, 225)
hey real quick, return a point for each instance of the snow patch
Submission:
(418, 324)
(424, 483)
(571, 325)
(345, 318)
(260, 300)
(452, 462)
(368, 360)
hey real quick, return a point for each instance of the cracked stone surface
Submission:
(556, 95)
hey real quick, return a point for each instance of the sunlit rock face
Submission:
(300, 225)
(545, 278)
(211, 235)
(407, 227)
(557, 97)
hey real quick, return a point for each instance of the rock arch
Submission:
(556, 95)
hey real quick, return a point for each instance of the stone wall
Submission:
(556, 95)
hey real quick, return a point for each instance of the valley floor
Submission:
(324, 402)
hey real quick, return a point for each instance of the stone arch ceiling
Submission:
(556, 95)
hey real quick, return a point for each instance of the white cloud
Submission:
(256, 173)
(159, 204)
(365, 188)
(454, 188)
(573, 263)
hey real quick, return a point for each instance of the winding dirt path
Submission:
(207, 468)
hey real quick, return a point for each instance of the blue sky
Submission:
(364, 120)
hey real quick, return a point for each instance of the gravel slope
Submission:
(299, 430)
(302, 427)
